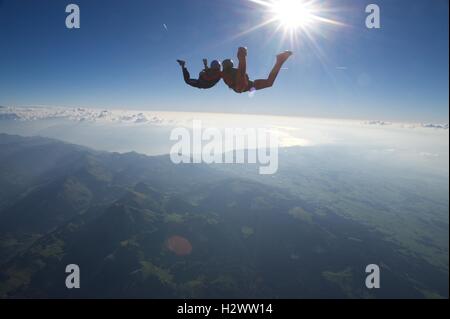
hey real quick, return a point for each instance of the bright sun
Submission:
(293, 14)
(298, 19)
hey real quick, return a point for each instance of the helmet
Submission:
(227, 64)
(216, 65)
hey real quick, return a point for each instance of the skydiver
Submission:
(207, 78)
(238, 79)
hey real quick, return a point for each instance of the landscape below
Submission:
(142, 227)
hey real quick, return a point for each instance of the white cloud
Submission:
(82, 115)
(380, 123)
(438, 126)
(429, 155)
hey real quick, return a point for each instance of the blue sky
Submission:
(124, 57)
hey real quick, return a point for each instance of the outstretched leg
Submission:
(241, 77)
(186, 75)
(267, 83)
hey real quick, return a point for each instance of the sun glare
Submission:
(295, 17)
(298, 21)
(293, 14)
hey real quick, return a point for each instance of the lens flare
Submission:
(293, 14)
(179, 245)
(295, 17)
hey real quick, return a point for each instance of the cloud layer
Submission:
(80, 115)
(149, 132)
(144, 117)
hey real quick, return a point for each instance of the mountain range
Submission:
(142, 227)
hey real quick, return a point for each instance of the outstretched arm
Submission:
(242, 57)
(205, 63)
(241, 82)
